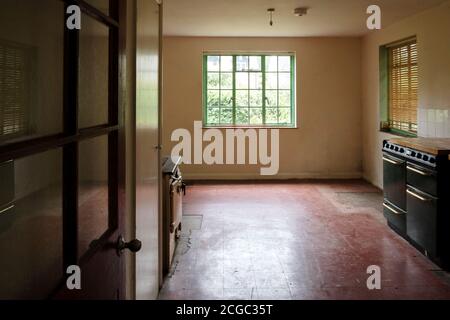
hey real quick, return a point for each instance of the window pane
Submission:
(256, 117)
(93, 213)
(241, 80)
(102, 5)
(284, 81)
(93, 86)
(271, 81)
(226, 98)
(31, 68)
(226, 116)
(242, 63)
(255, 63)
(284, 63)
(242, 116)
(256, 98)
(226, 81)
(244, 75)
(256, 80)
(213, 98)
(271, 98)
(403, 87)
(213, 81)
(272, 115)
(31, 232)
(214, 63)
(271, 63)
(284, 115)
(284, 98)
(226, 63)
(213, 115)
(242, 98)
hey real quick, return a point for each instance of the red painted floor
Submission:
(295, 241)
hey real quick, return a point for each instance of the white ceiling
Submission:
(249, 18)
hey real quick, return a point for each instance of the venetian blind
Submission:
(12, 90)
(403, 86)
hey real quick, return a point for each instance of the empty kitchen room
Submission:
(210, 150)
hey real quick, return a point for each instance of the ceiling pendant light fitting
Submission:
(271, 11)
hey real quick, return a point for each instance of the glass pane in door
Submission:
(93, 220)
(93, 74)
(31, 226)
(31, 68)
(102, 5)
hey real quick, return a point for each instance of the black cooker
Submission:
(416, 199)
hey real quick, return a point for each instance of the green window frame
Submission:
(399, 87)
(249, 90)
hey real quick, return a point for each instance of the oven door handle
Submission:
(415, 195)
(422, 173)
(392, 161)
(391, 209)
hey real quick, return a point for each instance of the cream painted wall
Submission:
(432, 29)
(327, 143)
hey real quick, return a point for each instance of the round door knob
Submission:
(134, 245)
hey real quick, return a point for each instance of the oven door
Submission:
(395, 217)
(394, 170)
(422, 220)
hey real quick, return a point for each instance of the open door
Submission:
(148, 170)
(63, 162)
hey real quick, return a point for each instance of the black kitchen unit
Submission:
(417, 194)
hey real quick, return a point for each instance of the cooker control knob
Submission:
(413, 153)
(419, 156)
(396, 149)
(425, 158)
(432, 160)
(402, 150)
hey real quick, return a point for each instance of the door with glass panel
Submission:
(61, 150)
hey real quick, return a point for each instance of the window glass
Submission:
(403, 87)
(31, 226)
(102, 5)
(249, 90)
(31, 69)
(93, 211)
(94, 74)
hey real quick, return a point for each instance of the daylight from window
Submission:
(249, 90)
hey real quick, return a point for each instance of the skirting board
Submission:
(373, 181)
(281, 176)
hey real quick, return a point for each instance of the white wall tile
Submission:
(431, 130)
(440, 130)
(431, 115)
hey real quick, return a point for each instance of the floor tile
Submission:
(204, 294)
(273, 294)
(239, 294)
(206, 281)
(239, 280)
(270, 280)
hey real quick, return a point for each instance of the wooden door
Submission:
(63, 154)
(148, 171)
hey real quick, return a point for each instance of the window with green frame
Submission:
(399, 84)
(253, 90)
